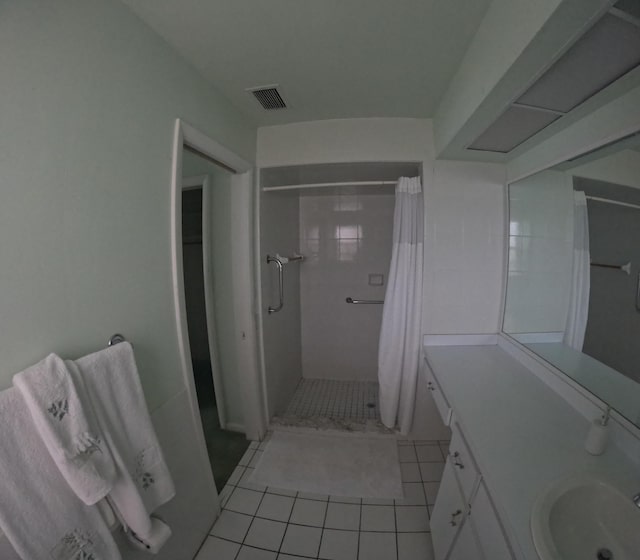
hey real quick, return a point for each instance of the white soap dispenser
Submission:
(597, 436)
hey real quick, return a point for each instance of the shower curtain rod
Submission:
(609, 201)
(333, 184)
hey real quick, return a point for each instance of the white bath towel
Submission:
(57, 403)
(143, 482)
(39, 514)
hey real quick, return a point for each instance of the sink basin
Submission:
(584, 517)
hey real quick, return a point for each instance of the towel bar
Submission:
(364, 301)
(116, 338)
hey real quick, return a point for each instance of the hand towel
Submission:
(143, 482)
(58, 405)
(39, 513)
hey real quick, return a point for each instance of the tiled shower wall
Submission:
(345, 239)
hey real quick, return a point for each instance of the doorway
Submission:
(206, 246)
(210, 223)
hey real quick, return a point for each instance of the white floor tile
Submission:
(303, 541)
(236, 475)
(246, 458)
(281, 491)
(308, 512)
(429, 454)
(291, 557)
(266, 534)
(378, 518)
(275, 507)
(343, 516)
(412, 518)
(312, 496)
(431, 472)
(431, 491)
(410, 472)
(345, 500)
(339, 545)
(377, 501)
(244, 501)
(254, 460)
(407, 454)
(415, 546)
(377, 546)
(225, 494)
(231, 526)
(217, 549)
(249, 553)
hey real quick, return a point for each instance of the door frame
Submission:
(246, 344)
(203, 182)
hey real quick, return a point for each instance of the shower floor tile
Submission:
(355, 400)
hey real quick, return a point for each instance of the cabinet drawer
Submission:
(464, 466)
(443, 406)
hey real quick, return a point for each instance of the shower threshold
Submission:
(326, 404)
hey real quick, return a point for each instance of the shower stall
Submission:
(325, 241)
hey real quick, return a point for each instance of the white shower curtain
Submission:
(580, 281)
(399, 349)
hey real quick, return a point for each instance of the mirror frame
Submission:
(565, 379)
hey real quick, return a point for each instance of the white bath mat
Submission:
(335, 465)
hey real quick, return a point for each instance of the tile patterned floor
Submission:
(357, 400)
(260, 523)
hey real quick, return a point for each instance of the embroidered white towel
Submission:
(39, 514)
(143, 482)
(58, 406)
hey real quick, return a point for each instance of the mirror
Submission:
(573, 284)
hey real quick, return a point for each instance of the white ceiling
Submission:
(331, 58)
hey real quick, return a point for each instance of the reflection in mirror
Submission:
(573, 288)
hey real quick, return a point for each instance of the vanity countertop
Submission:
(522, 434)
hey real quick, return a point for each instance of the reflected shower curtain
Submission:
(400, 334)
(581, 278)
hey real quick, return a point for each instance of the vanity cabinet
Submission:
(464, 522)
(442, 404)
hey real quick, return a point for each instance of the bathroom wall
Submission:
(89, 97)
(345, 239)
(464, 248)
(540, 253)
(280, 233)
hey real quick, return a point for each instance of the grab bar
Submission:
(270, 260)
(364, 301)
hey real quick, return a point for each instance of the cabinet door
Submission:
(448, 513)
(463, 463)
(485, 519)
(466, 546)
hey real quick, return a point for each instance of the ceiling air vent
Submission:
(269, 97)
